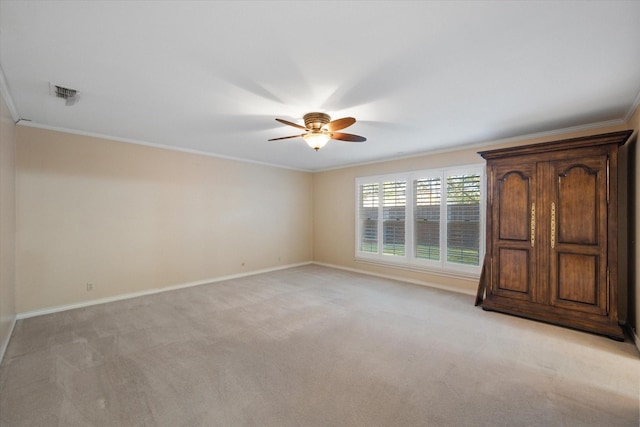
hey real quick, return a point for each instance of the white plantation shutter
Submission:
(368, 214)
(394, 195)
(463, 219)
(426, 229)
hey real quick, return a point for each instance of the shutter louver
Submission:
(463, 219)
(427, 218)
(369, 195)
(394, 206)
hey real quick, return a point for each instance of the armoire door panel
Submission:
(577, 278)
(513, 271)
(580, 193)
(514, 196)
(580, 283)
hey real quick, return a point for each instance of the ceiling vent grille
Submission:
(65, 92)
(69, 95)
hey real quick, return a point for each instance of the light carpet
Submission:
(311, 346)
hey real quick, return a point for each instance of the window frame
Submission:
(409, 259)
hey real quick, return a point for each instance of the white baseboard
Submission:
(399, 279)
(5, 344)
(59, 308)
(65, 307)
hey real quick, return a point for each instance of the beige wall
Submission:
(7, 223)
(334, 229)
(130, 218)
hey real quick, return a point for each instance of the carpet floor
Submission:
(311, 346)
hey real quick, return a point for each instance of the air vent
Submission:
(71, 96)
(64, 92)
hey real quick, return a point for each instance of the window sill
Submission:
(469, 275)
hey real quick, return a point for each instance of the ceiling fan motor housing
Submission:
(316, 121)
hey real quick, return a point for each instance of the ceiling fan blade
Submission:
(287, 137)
(340, 123)
(347, 137)
(295, 125)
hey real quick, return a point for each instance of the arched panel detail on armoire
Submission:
(579, 209)
(513, 203)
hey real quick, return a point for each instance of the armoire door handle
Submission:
(553, 225)
(533, 224)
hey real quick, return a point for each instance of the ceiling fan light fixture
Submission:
(317, 140)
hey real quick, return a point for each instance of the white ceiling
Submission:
(211, 76)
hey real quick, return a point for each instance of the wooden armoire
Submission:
(552, 232)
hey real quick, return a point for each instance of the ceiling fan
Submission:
(319, 129)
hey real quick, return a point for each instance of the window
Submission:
(431, 219)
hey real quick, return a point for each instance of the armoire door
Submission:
(578, 234)
(513, 254)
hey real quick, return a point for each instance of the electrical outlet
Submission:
(89, 286)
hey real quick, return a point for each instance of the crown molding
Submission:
(487, 143)
(37, 125)
(633, 108)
